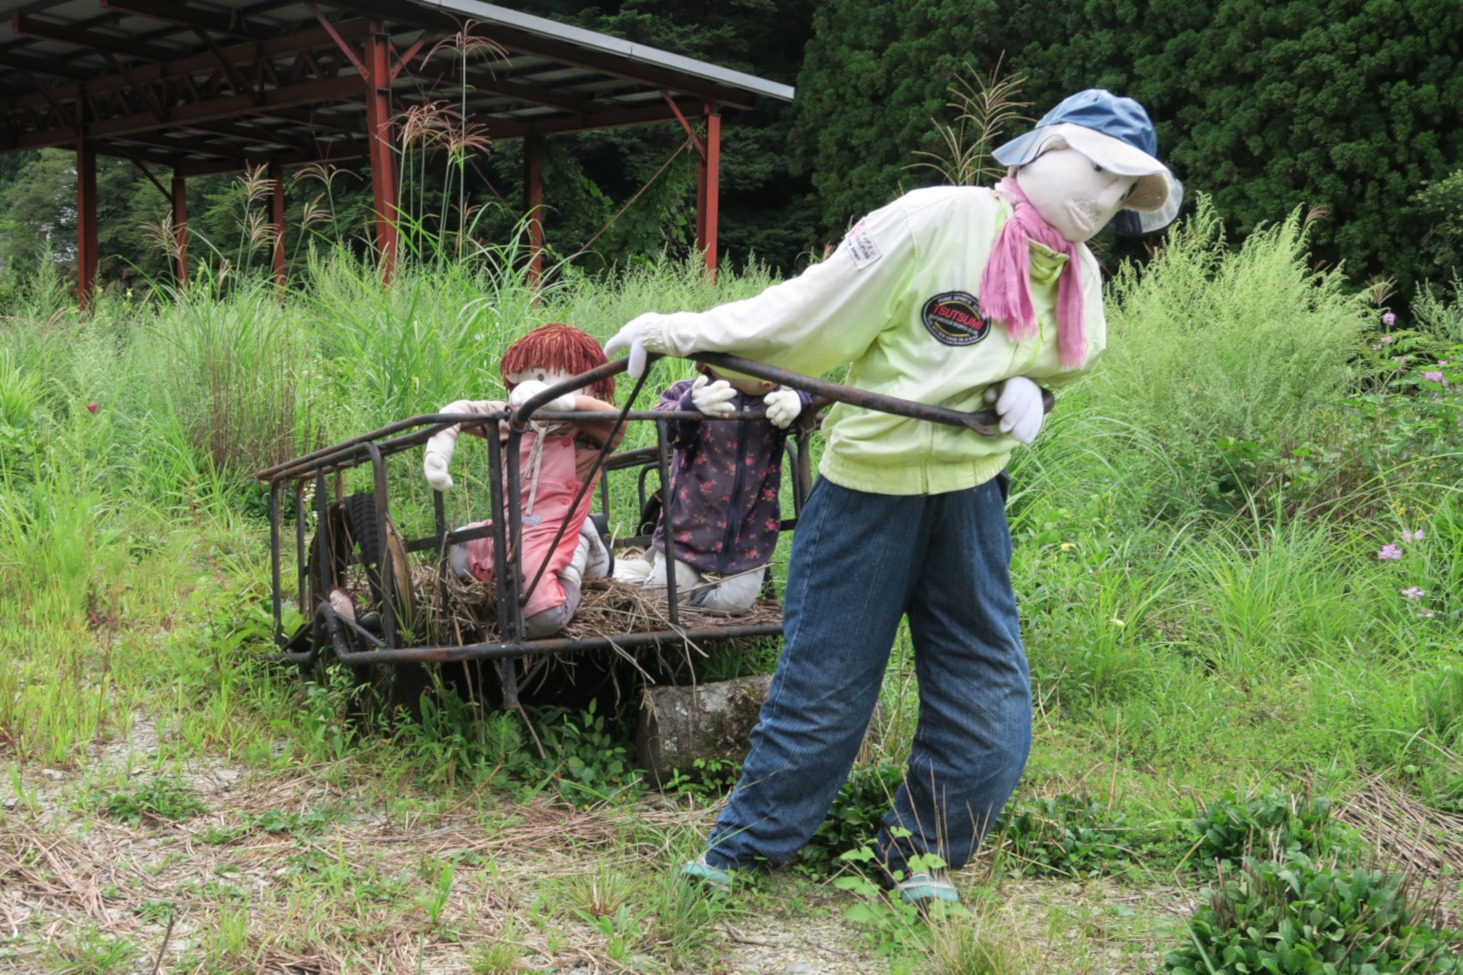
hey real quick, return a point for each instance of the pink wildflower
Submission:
(1424, 614)
(1389, 319)
(93, 407)
(1389, 552)
(1413, 593)
(1408, 536)
(1387, 340)
(1433, 376)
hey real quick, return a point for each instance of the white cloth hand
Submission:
(713, 398)
(1018, 403)
(530, 388)
(783, 406)
(435, 464)
(632, 337)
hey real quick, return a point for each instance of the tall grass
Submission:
(1210, 346)
(1178, 641)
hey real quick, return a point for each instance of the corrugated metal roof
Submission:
(210, 85)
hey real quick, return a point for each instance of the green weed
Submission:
(1299, 916)
(87, 950)
(168, 799)
(1231, 829)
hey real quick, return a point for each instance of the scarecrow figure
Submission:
(722, 509)
(555, 457)
(956, 296)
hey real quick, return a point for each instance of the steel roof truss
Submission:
(88, 39)
(235, 23)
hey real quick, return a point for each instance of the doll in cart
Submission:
(722, 509)
(555, 457)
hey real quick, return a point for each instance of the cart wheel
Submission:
(370, 567)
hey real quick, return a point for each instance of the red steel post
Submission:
(86, 221)
(180, 228)
(533, 198)
(382, 148)
(707, 190)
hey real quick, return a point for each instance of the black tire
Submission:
(355, 542)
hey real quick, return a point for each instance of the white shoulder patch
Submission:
(862, 246)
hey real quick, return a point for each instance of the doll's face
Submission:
(742, 384)
(1073, 193)
(545, 375)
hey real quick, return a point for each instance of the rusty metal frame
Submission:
(173, 94)
(335, 638)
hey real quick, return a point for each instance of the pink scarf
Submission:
(1005, 284)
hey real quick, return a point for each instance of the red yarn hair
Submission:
(560, 348)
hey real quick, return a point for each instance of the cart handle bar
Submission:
(982, 422)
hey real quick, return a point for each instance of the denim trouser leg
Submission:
(974, 730)
(858, 564)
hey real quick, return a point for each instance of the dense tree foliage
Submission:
(766, 204)
(1350, 107)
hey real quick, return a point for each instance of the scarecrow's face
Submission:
(1073, 193)
(545, 375)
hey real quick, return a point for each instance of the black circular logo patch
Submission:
(954, 319)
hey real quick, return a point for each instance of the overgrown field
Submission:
(1239, 554)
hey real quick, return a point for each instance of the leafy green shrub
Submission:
(853, 819)
(707, 777)
(1440, 310)
(1442, 705)
(1297, 918)
(1411, 416)
(1441, 204)
(1209, 345)
(589, 762)
(1231, 829)
(20, 415)
(1066, 835)
(158, 799)
(452, 740)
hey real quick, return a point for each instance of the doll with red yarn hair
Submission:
(555, 457)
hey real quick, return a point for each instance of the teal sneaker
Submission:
(920, 889)
(703, 873)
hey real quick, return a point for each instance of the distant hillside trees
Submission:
(1350, 106)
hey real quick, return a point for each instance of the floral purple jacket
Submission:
(725, 478)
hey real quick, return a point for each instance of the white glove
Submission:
(1018, 402)
(435, 465)
(632, 337)
(530, 388)
(713, 398)
(783, 406)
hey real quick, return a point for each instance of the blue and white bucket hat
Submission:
(1115, 133)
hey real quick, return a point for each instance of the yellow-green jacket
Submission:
(898, 300)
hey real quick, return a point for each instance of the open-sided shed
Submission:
(196, 87)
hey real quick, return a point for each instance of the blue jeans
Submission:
(859, 563)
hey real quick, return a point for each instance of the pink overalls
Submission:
(548, 482)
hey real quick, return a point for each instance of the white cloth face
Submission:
(750, 385)
(1072, 193)
(530, 382)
